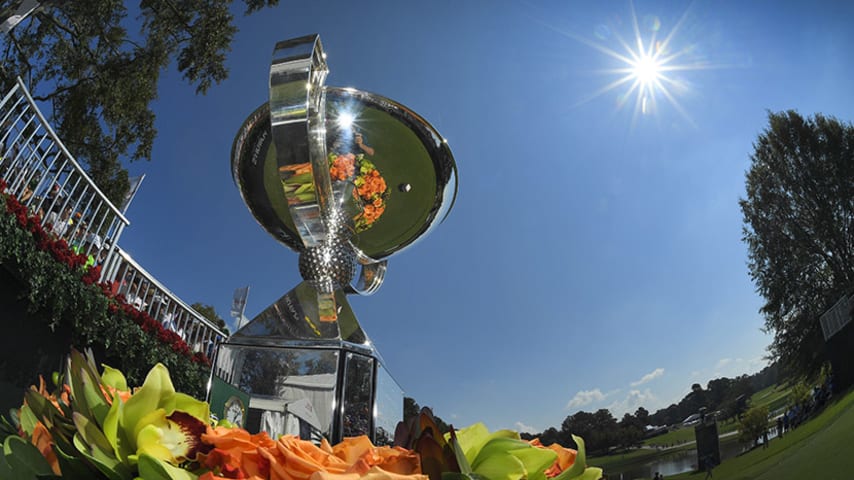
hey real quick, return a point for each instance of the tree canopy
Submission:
(209, 312)
(96, 65)
(798, 228)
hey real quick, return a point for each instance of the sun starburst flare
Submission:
(647, 67)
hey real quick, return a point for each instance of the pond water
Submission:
(674, 463)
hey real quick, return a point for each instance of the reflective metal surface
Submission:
(357, 406)
(388, 408)
(292, 320)
(407, 151)
(282, 391)
(346, 178)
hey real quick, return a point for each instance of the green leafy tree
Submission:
(753, 424)
(798, 226)
(630, 431)
(800, 395)
(599, 430)
(96, 65)
(642, 415)
(209, 312)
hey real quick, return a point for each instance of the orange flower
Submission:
(375, 473)
(343, 167)
(565, 458)
(42, 440)
(109, 392)
(64, 393)
(363, 457)
(237, 454)
(235, 450)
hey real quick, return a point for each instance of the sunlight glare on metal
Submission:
(345, 120)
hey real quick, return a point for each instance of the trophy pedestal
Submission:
(285, 373)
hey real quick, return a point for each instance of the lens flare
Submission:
(345, 120)
(647, 64)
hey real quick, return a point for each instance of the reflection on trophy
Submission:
(346, 178)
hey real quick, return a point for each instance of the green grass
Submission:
(686, 434)
(819, 448)
(681, 435)
(773, 397)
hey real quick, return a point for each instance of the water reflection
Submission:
(680, 461)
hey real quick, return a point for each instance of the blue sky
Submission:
(593, 257)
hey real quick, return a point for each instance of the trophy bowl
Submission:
(407, 153)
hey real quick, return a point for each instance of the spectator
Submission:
(59, 223)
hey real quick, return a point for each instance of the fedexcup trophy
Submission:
(346, 178)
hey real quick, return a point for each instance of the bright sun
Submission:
(647, 70)
(646, 67)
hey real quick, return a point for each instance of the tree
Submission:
(642, 415)
(798, 216)
(98, 75)
(599, 430)
(209, 312)
(550, 435)
(412, 409)
(630, 432)
(753, 424)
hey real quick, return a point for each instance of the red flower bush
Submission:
(61, 252)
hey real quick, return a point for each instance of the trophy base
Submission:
(288, 373)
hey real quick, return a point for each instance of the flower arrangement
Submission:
(95, 426)
(370, 192)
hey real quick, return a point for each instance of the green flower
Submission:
(156, 421)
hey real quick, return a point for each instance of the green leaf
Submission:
(86, 395)
(5, 468)
(472, 439)
(113, 470)
(496, 446)
(580, 464)
(536, 460)
(72, 467)
(114, 378)
(151, 468)
(462, 461)
(28, 418)
(25, 459)
(94, 441)
(501, 467)
(118, 439)
(590, 473)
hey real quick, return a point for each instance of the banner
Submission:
(238, 305)
(135, 182)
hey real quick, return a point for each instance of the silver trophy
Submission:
(346, 178)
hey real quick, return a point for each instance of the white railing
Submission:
(147, 294)
(41, 173)
(46, 178)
